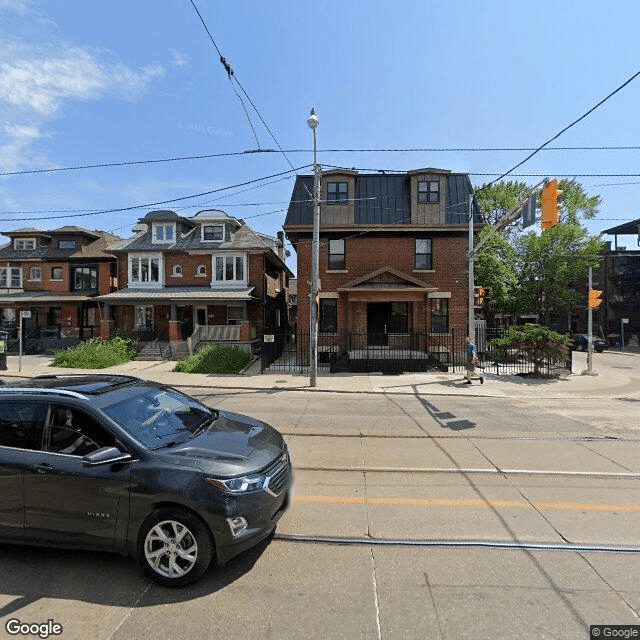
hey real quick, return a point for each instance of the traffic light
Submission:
(594, 298)
(549, 197)
(478, 297)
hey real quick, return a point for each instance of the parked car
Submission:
(122, 464)
(581, 342)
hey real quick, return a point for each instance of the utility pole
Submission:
(472, 319)
(315, 261)
(589, 371)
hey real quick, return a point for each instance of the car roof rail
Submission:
(41, 391)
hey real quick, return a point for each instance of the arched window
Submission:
(177, 271)
(201, 270)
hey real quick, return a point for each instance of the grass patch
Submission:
(96, 354)
(215, 358)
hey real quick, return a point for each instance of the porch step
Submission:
(179, 350)
(153, 351)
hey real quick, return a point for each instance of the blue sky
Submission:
(91, 82)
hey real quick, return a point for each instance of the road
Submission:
(413, 516)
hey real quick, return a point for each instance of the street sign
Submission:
(269, 338)
(625, 320)
(529, 210)
(25, 314)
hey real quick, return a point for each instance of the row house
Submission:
(203, 278)
(56, 277)
(393, 259)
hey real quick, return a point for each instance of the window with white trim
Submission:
(145, 269)
(35, 273)
(201, 270)
(164, 232)
(213, 232)
(230, 268)
(24, 244)
(11, 277)
(177, 271)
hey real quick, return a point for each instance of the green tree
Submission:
(496, 200)
(550, 264)
(533, 271)
(496, 269)
(535, 342)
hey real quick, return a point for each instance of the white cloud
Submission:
(179, 59)
(19, 6)
(43, 83)
(36, 85)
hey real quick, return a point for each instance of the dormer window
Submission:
(66, 244)
(24, 244)
(428, 191)
(337, 192)
(164, 232)
(214, 232)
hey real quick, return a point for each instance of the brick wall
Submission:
(369, 253)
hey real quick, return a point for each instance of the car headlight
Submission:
(253, 482)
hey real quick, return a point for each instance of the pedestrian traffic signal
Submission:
(549, 197)
(478, 297)
(594, 298)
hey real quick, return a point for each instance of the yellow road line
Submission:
(464, 502)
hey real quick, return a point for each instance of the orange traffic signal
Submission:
(478, 295)
(594, 298)
(549, 197)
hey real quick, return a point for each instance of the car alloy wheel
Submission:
(175, 547)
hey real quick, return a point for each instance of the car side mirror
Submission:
(105, 455)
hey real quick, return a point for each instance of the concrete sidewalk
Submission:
(618, 376)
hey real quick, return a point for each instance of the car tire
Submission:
(175, 547)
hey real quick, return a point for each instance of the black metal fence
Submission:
(515, 362)
(364, 352)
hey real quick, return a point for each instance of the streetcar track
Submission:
(495, 471)
(496, 544)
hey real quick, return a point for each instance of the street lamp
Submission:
(315, 259)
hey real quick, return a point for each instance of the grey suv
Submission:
(122, 464)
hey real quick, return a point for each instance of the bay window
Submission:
(145, 270)
(229, 269)
(11, 277)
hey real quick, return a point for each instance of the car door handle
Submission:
(43, 468)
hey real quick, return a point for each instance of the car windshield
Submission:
(159, 417)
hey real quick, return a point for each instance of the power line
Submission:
(208, 156)
(161, 202)
(582, 117)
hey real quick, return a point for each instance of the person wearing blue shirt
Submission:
(470, 364)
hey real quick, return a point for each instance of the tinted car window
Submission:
(157, 417)
(75, 432)
(22, 426)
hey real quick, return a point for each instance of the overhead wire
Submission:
(582, 117)
(246, 152)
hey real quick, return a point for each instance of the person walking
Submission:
(471, 363)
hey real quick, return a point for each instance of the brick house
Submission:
(56, 275)
(393, 261)
(204, 278)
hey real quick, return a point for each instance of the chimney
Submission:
(281, 251)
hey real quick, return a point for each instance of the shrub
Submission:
(215, 358)
(537, 343)
(96, 354)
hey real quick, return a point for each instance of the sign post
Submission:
(23, 314)
(623, 321)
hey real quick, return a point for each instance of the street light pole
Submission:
(315, 260)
